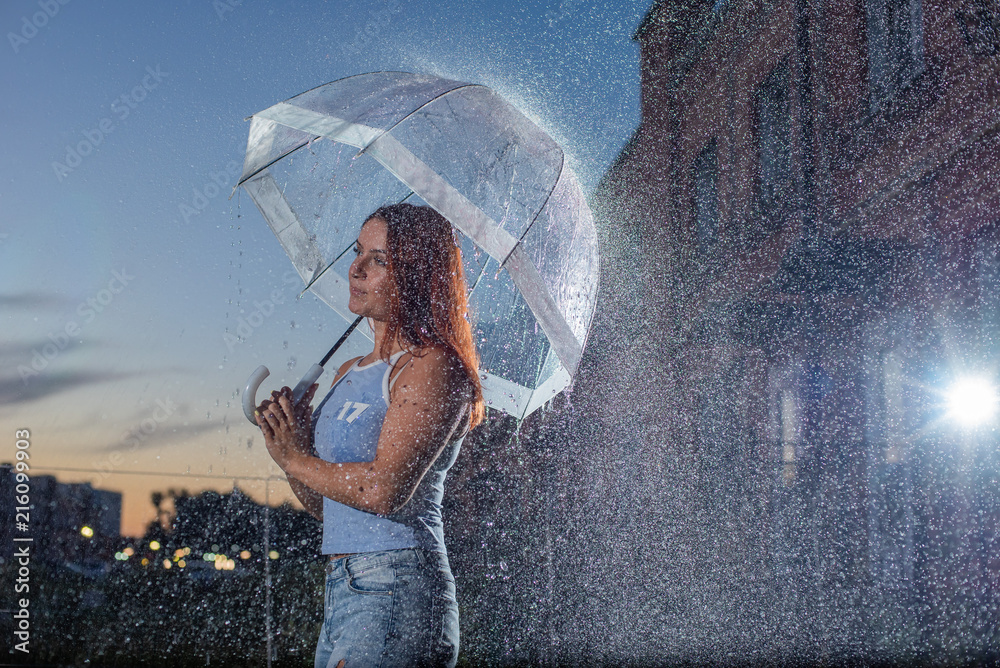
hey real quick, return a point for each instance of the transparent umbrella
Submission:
(317, 164)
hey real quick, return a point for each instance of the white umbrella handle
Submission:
(250, 392)
(258, 376)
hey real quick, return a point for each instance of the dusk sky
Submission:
(126, 270)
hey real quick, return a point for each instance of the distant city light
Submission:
(972, 401)
(182, 563)
(87, 532)
(208, 556)
(128, 552)
(154, 545)
(245, 554)
(145, 561)
(167, 564)
(273, 554)
(223, 563)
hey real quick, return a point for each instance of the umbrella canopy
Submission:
(319, 163)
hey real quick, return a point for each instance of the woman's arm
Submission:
(427, 406)
(310, 499)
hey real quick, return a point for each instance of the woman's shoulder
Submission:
(434, 365)
(437, 358)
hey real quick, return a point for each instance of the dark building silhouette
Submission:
(801, 241)
(69, 523)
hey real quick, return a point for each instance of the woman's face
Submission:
(370, 282)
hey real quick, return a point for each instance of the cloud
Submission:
(164, 433)
(35, 300)
(21, 352)
(15, 391)
(21, 382)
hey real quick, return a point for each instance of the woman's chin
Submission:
(365, 312)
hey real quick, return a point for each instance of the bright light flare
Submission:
(972, 401)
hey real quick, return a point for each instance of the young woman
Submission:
(370, 463)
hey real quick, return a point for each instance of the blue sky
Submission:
(124, 265)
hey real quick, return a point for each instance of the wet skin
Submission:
(427, 405)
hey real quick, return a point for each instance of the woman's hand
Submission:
(287, 428)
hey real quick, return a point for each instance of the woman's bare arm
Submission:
(310, 499)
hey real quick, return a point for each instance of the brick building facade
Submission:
(806, 225)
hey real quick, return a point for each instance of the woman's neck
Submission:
(380, 328)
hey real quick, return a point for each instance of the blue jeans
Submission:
(392, 608)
